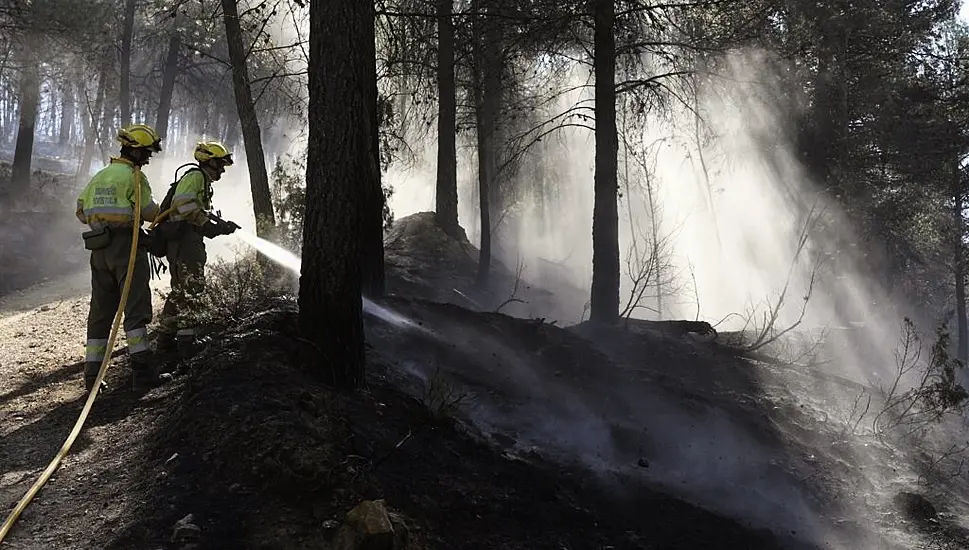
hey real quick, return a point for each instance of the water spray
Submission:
(272, 251)
(294, 263)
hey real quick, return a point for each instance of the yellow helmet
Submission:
(138, 136)
(208, 150)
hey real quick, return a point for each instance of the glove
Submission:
(229, 227)
(224, 227)
(218, 226)
(210, 229)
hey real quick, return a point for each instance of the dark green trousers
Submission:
(186, 264)
(109, 267)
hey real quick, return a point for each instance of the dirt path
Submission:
(42, 331)
(69, 286)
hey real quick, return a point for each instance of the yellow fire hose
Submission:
(52, 467)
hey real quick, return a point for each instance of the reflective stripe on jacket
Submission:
(109, 198)
(193, 197)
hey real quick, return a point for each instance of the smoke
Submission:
(740, 230)
(414, 182)
(609, 424)
(747, 237)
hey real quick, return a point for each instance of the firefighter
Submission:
(188, 224)
(107, 205)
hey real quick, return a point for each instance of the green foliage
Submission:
(233, 290)
(289, 195)
(942, 391)
(288, 179)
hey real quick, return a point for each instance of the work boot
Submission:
(91, 369)
(144, 372)
(165, 344)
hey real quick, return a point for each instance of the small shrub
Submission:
(233, 290)
(442, 397)
(933, 390)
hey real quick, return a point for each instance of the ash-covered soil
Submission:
(478, 430)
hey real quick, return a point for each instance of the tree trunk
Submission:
(109, 119)
(5, 108)
(200, 119)
(262, 203)
(48, 117)
(168, 86)
(93, 131)
(29, 99)
(374, 282)
(446, 197)
(959, 231)
(124, 95)
(341, 168)
(232, 133)
(605, 218)
(66, 129)
(487, 96)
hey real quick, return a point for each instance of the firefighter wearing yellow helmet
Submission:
(190, 221)
(107, 206)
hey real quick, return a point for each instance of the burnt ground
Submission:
(252, 444)
(479, 430)
(295, 455)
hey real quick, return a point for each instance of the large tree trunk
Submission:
(446, 205)
(168, 85)
(605, 218)
(262, 203)
(29, 99)
(959, 232)
(124, 91)
(487, 95)
(374, 282)
(341, 168)
(93, 130)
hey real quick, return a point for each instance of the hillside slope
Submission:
(478, 430)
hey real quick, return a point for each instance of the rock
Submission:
(915, 506)
(367, 527)
(185, 531)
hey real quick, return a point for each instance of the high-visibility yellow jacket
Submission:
(192, 199)
(109, 198)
